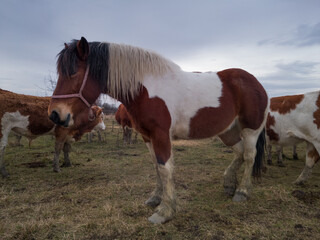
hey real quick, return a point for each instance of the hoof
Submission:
(157, 219)
(229, 190)
(281, 165)
(66, 165)
(57, 170)
(240, 197)
(299, 182)
(269, 162)
(154, 201)
(5, 174)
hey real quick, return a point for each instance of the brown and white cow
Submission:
(125, 120)
(294, 119)
(27, 116)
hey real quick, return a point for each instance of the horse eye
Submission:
(73, 75)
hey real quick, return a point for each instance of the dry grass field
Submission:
(102, 195)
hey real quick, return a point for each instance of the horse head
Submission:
(75, 91)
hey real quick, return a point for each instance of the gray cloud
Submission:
(33, 32)
(302, 36)
(298, 67)
(292, 78)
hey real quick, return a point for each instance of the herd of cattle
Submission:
(291, 120)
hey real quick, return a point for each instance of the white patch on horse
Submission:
(13, 120)
(184, 93)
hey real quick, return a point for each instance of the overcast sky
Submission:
(278, 41)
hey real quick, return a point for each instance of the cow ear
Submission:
(99, 112)
(83, 49)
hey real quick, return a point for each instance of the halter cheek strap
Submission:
(79, 95)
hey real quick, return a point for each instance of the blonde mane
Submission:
(129, 65)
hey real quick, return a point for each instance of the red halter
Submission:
(79, 95)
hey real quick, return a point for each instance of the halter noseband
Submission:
(79, 95)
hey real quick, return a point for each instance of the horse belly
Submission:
(209, 122)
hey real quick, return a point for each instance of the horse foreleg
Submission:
(162, 148)
(66, 150)
(312, 157)
(250, 138)
(230, 174)
(156, 195)
(57, 149)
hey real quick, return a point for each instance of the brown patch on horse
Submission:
(273, 136)
(233, 103)
(285, 104)
(152, 119)
(316, 114)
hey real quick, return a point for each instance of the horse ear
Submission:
(83, 49)
(66, 46)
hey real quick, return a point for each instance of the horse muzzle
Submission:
(55, 118)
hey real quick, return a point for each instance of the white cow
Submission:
(295, 119)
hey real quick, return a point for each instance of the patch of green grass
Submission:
(102, 195)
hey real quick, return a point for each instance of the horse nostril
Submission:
(54, 117)
(66, 122)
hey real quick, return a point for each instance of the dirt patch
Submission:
(306, 197)
(187, 142)
(39, 164)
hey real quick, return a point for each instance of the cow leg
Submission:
(66, 150)
(4, 133)
(312, 157)
(230, 174)
(135, 137)
(99, 136)
(269, 150)
(279, 154)
(57, 150)
(162, 148)
(125, 135)
(250, 138)
(156, 195)
(294, 153)
(129, 135)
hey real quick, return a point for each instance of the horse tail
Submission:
(260, 156)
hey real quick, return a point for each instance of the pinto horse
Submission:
(231, 104)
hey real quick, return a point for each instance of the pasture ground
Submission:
(102, 195)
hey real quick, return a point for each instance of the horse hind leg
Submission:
(230, 174)
(249, 138)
